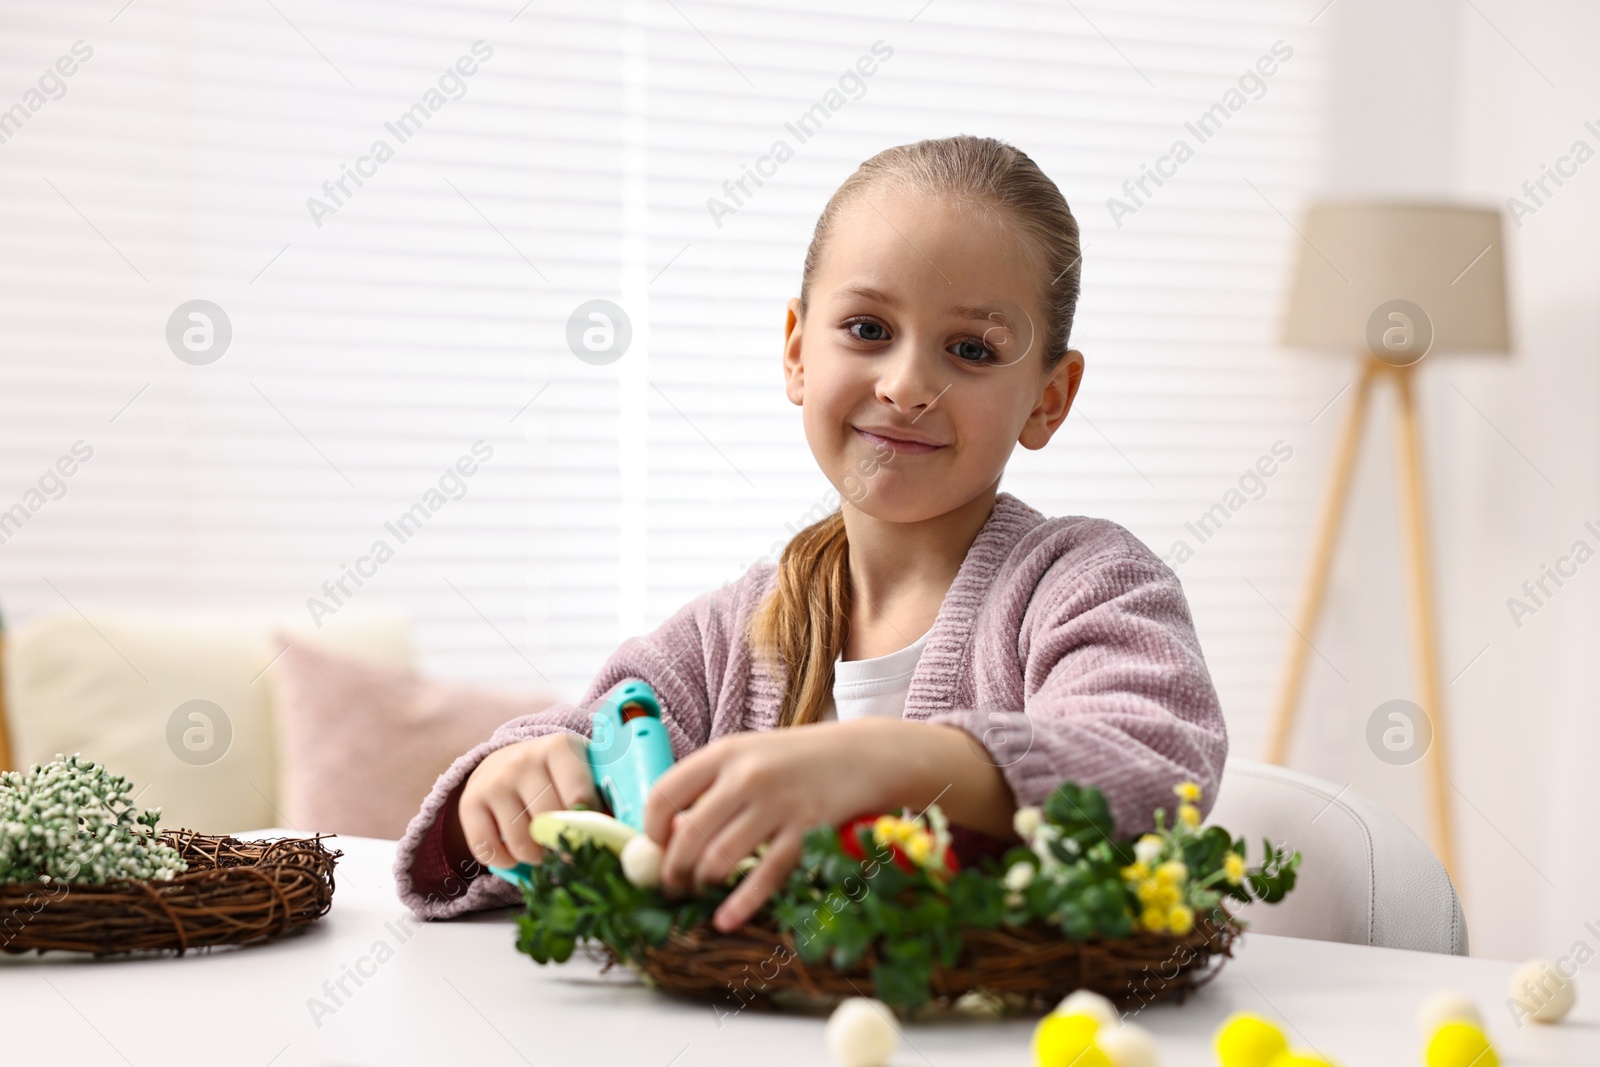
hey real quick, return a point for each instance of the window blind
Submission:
(395, 311)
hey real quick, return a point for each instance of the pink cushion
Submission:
(360, 745)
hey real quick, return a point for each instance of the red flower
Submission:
(850, 843)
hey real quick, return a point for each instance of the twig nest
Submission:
(1445, 1006)
(861, 1032)
(1542, 992)
(1127, 1045)
(1087, 1002)
(641, 861)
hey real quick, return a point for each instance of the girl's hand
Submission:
(511, 786)
(716, 805)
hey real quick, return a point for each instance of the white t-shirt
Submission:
(876, 686)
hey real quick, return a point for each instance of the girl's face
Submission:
(919, 365)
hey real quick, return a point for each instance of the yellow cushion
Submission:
(178, 702)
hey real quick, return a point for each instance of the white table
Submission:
(458, 992)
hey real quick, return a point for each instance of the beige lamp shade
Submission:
(1399, 279)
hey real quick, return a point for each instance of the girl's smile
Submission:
(909, 442)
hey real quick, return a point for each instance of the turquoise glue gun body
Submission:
(627, 751)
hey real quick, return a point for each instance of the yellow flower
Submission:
(1136, 872)
(1233, 868)
(1167, 896)
(1180, 919)
(1187, 791)
(1172, 871)
(1189, 815)
(1153, 919)
(1148, 892)
(919, 848)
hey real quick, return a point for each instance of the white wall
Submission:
(1434, 99)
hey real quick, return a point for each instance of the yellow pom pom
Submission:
(1246, 1040)
(1299, 1059)
(1180, 919)
(1460, 1044)
(1189, 815)
(1189, 791)
(1066, 1039)
(1153, 919)
(1233, 868)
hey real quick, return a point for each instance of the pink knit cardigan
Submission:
(1064, 645)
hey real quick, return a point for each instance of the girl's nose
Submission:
(909, 378)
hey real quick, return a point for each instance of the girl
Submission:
(933, 639)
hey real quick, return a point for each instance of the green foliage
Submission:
(1073, 873)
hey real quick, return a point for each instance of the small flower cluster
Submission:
(1160, 879)
(921, 842)
(1075, 873)
(72, 821)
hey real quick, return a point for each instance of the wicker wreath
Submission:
(233, 893)
(1028, 969)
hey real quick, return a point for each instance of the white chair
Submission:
(1365, 878)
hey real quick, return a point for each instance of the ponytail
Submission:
(803, 624)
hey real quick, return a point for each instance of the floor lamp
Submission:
(1392, 282)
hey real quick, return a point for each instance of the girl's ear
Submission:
(793, 372)
(1055, 400)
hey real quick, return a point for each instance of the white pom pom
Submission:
(641, 862)
(1443, 1006)
(1090, 1003)
(1541, 991)
(861, 1032)
(1025, 821)
(1127, 1045)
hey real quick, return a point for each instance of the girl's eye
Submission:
(974, 352)
(968, 350)
(881, 333)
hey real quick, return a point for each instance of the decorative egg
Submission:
(1459, 1044)
(1541, 991)
(1068, 1040)
(861, 1032)
(1088, 1002)
(1246, 1040)
(641, 861)
(1444, 1006)
(1127, 1045)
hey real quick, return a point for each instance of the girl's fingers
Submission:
(680, 787)
(511, 815)
(737, 840)
(691, 834)
(567, 770)
(762, 881)
(479, 831)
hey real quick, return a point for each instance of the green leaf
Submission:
(653, 923)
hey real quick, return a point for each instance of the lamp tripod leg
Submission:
(1414, 517)
(1333, 504)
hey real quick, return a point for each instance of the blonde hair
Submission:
(805, 621)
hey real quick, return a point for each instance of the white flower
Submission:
(71, 821)
(1019, 877)
(1147, 850)
(1025, 822)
